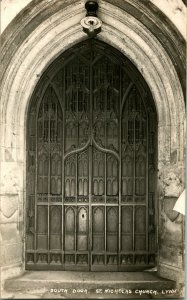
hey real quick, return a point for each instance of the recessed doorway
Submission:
(91, 164)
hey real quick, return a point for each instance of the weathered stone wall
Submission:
(11, 216)
(29, 47)
(171, 225)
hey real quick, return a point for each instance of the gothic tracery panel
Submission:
(91, 161)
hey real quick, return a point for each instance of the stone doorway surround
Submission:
(31, 42)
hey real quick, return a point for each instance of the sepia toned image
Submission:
(92, 177)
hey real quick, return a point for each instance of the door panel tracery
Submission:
(91, 143)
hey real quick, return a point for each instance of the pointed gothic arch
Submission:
(97, 86)
(36, 49)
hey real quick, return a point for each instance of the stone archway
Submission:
(38, 49)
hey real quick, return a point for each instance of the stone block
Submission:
(174, 157)
(169, 255)
(6, 220)
(8, 155)
(11, 254)
(10, 233)
(172, 185)
(169, 203)
(11, 178)
(171, 272)
(9, 208)
(12, 270)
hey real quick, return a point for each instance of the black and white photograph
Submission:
(92, 149)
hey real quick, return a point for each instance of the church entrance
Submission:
(91, 165)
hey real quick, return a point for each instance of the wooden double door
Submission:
(91, 155)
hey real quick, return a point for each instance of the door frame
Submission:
(141, 85)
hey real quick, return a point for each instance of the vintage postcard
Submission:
(92, 177)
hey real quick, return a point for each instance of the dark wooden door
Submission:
(91, 148)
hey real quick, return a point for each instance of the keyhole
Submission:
(82, 216)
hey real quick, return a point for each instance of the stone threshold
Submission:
(89, 285)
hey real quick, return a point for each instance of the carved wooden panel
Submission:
(98, 228)
(55, 221)
(70, 214)
(91, 155)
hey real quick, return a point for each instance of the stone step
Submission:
(97, 285)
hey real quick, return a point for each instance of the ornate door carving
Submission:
(91, 154)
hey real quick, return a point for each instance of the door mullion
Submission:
(76, 193)
(90, 209)
(76, 170)
(36, 186)
(134, 181)
(75, 235)
(90, 111)
(105, 214)
(120, 171)
(63, 169)
(105, 167)
(147, 185)
(49, 179)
